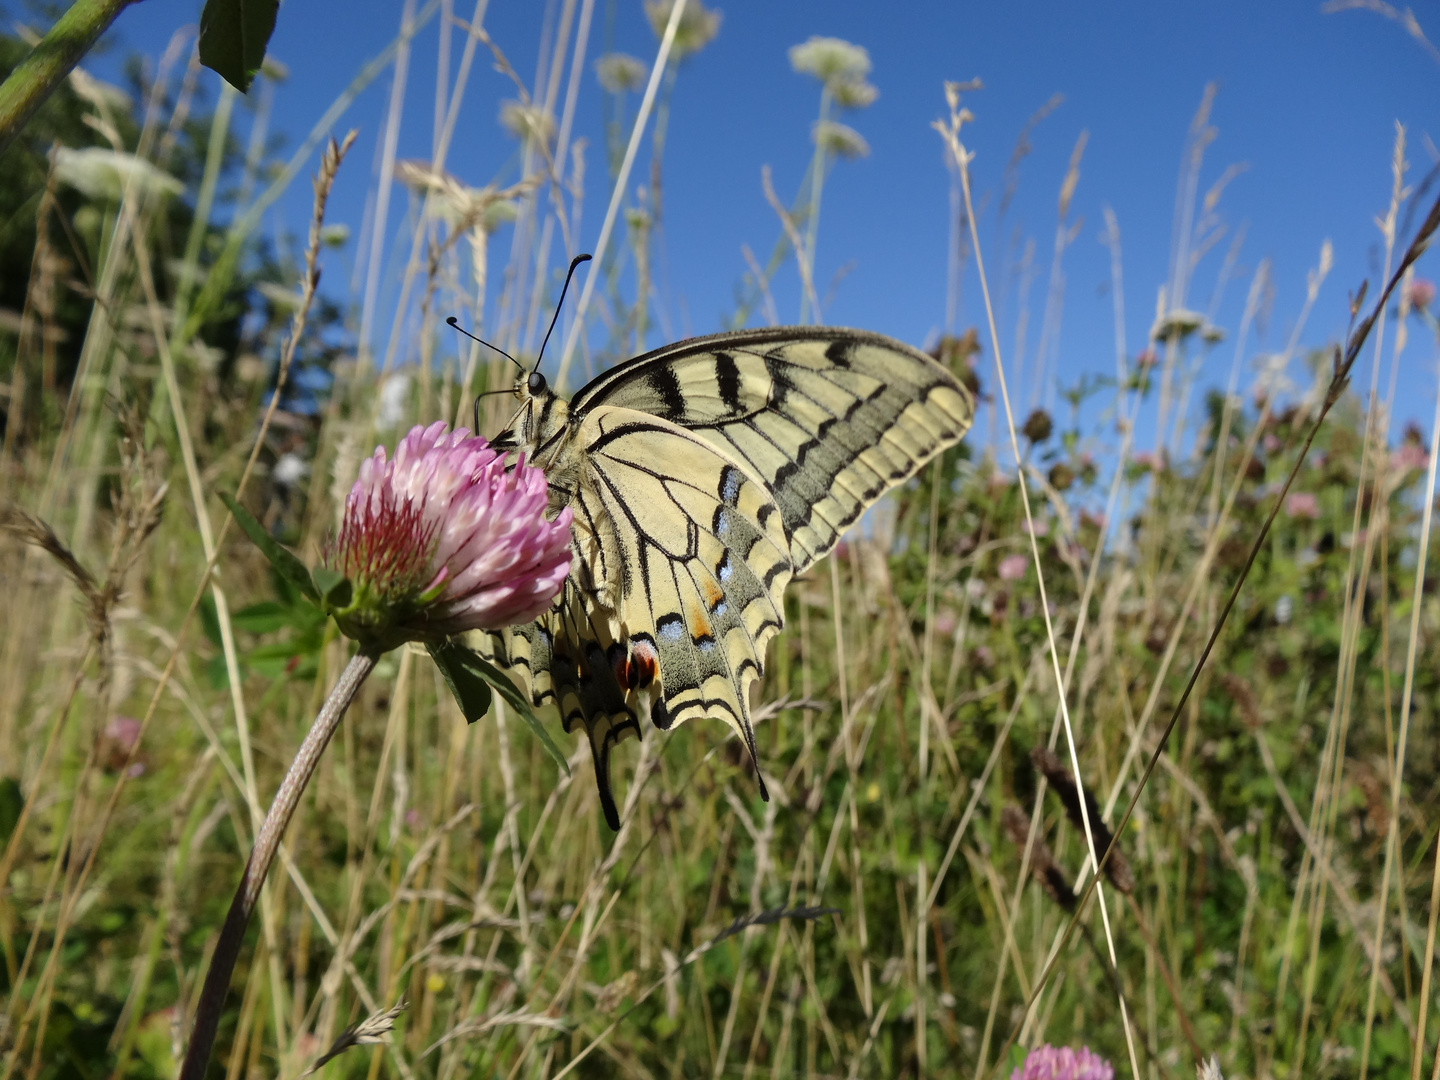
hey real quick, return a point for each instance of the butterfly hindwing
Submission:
(707, 562)
(570, 656)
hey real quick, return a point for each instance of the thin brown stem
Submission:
(1340, 377)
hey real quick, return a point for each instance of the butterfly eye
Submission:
(535, 384)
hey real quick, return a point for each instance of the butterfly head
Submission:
(539, 422)
(538, 426)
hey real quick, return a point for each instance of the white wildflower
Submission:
(840, 140)
(698, 25)
(618, 72)
(394, 401)
(498, 212)
(830, 59)
(853, 93)
(1180, 322)
(290, 470)
(526, 121)
(454, 201)
(281, 298)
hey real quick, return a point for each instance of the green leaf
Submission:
(262, 618)
(233, 36)
(217, 673)
(459, 663)
(210, 620)
(285, 563)
(12, 800)
(472, 692)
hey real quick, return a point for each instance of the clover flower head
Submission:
(446, 538)
(1062, 1063)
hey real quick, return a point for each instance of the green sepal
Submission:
(467, 673)
(233, 37)
(285, 563)
(336, 590)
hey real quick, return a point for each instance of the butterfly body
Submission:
(702, 477)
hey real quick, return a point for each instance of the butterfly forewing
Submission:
(827, 419)
(702, 476)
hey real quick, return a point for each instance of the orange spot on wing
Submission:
(713, 594)
(699, 625)
(642, 667)
(636, 667)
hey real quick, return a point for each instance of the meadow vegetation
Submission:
(892, 909)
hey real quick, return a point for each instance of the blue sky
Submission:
(1308, 101)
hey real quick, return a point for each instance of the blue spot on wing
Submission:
(730, 481)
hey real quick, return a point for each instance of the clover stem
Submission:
(267, 842)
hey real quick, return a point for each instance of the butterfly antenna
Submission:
(455, 325)
(485, 393)
(573, 264)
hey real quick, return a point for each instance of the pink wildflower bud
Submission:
(1409, 456)
(1421, 293)
(1150, 460)
(445, 538)
(1013, 567)
(118, 741)
(123, 733)
(1062, 1063)
(1302, 504)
